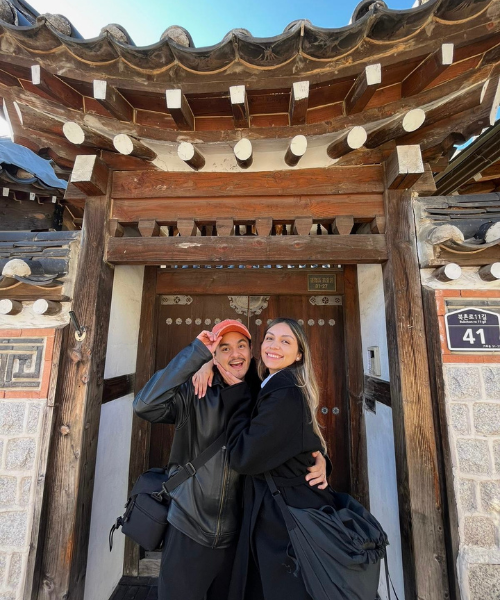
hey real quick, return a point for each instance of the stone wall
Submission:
(25, 368)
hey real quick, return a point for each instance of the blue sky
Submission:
(208, 22)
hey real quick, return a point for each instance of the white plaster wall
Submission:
(105, 568)
(379, 431)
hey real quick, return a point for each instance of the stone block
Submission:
(468, 495)
(8, 487)
(496, 455)
(7, 596)
(484, 582)
(24, 491)
(473, 456)
(20, 454)
(487, 418)
(479, 531)
(463, 383)
(13, 529)
(12, 417)
(15, 570)
(490, 495)
(3, 566)
(491, 378)
(33, 418)
(459, 418)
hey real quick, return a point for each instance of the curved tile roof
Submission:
(372, 20)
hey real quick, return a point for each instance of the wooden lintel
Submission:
(347, 142)
(334, 180)
(302, 225)
(225, 227)
(343, 225)
(290, 249)
(363, 88)
(130, 146)
(115, 229)
(428, 71)
(82, 135)
(55, 88)
(404, 167)
(239, 106)
(395, 128)
(263, 225)
(90, 175)
(179, 109)
(109, 97)
(299, 101)
(148, 227)
(186, 227)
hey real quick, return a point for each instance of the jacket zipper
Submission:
(224, 479)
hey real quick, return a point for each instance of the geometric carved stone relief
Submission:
(21, 363)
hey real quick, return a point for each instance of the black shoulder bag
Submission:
(337, 549)
(146, 511)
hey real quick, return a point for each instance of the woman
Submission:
(278, 433)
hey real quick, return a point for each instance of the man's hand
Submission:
(211, 340)
(317, 473)
(228, 377)
(203, 378)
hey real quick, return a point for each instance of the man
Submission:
(204, 512)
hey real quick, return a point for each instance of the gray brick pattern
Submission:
(21, 362)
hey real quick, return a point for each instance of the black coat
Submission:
(274, 434)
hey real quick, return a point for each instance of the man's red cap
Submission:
(231, 325)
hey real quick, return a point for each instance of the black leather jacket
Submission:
(207, 506)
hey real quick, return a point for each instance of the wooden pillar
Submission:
(420, 501)
(141, 429)
(355, 387)
(70, 477)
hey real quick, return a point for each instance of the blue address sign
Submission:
(473, 330)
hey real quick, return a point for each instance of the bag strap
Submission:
(276, 494)
(189, 469)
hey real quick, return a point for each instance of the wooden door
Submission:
(181, 318)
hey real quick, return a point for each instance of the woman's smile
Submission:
(280, 348)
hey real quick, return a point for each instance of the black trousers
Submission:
(190, 571)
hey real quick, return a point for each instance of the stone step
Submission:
(149, 566)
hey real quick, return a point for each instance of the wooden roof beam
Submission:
(130, 146)
(191, 156)
(352, 140)
(85, 136)
(296, 150)
(395, 128)
(404, 167)
(179, 109)
(243, 152)
(363, 88)
(9, 80)
(299, 101)
(428, 71)
(111, 99)
(239, 106)
(55, 88)
(90, 175)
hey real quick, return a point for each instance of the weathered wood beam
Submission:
(239, 106)
(81, 135)
(115, 229)
(343, 225)
(290, 249)
(352, 140)
(447, 273)
(55, 88)
(376, 226)
(243, 152)
(428, 71)
(63, 560)
(148, 227)
(299, 101)
(90, 175)
(377, 390)
(124, 162)
(9, 80)
(224, 227)
(10, 307)
(296, 150)
(420, 503)
(490, 272)
(111, 99)
(358, 452)
(366, 84)
(302, 225)
(187, 227)
(263, 225)
(129, 146)
(404, 167)
(179, 108)
(46, 307)
(191, 155)
(117, 387)
(396, 128)
(336, 180)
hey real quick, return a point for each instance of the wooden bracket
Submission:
(186, 227)
(111, 99)
(239, 106)
(302, 225)
(299, 101)
(225, 227)
(90, 175)
(428, 71)
(115, 229)
(363, 88)
(148, 228)
(55, 88)
(179, 109)
(404, 167)
(263, 225)
(343, 225)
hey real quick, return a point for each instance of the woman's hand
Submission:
(228, 377)
(317, 473)
(203, 378)
(211, 340)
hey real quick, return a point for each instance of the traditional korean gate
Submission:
(182, 317)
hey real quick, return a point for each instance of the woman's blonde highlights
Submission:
(304, 372)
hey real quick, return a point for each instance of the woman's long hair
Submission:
(303, 370)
